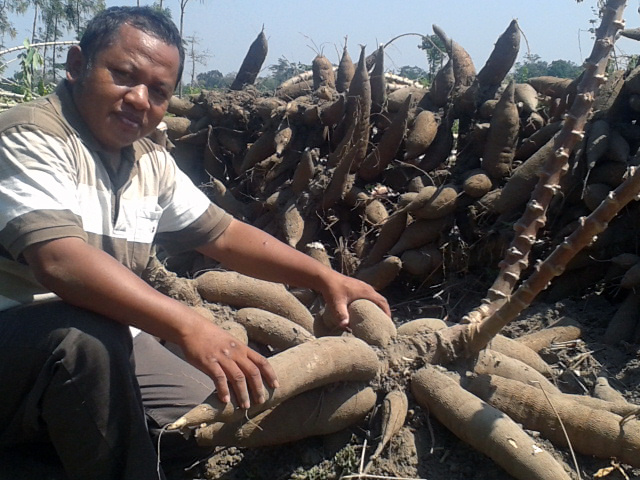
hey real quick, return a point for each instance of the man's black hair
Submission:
(103, 28)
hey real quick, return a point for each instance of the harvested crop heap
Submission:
(363, 172)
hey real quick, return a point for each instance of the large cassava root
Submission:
(320, 411)
(590, 431)
(486, 428)
(238, 290)
(309, 365)
(563, 330)
(252, 63)
(271, 329)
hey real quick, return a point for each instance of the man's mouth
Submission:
(129, 120)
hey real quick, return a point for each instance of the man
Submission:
(83, 194)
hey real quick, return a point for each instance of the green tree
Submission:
(26, 83)
(58, 17)
(413, 73)
(79, 12)
(53, 19)
(36, 11)
(6, 26)
(211, 79)
(284, 70)
(534, 67)
(531, 67)
(281, 71)
(158, 6)
(436, 54)
(7, 7)
(564, 69)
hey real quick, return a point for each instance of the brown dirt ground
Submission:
(423, 448)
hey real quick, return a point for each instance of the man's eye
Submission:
(159, 94)
(120, 76)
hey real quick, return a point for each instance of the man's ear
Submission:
(75, 64)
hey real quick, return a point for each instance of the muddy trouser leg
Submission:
(170, 387)
(67, 376)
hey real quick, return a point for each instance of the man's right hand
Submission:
(229, 362)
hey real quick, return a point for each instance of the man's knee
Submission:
(94, 349)
(59, 328)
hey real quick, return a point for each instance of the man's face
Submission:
(124, 93)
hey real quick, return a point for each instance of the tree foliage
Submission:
(58, 17)
(51, 20)
(284, 70)
(211, 79)
(159, 7)
(27, 82)
(436, 54)
(7, 7)
(79, 12)
(533, 66)
(413, 73)
(281, 71)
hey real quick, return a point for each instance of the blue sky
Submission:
(298, 29)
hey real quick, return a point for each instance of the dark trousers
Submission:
(79, 381)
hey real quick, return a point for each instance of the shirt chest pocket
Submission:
(146, 224)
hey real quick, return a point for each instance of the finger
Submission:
(253, 379)
(216, 373)
(232, 364)
(384, 305)
(340, 315)
(230, 360)
(238, 382)
(267, 372)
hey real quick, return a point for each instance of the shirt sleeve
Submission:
(189, 218)
(37, 189)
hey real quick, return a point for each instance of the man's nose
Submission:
(138, 96)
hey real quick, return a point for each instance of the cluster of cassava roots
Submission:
(385, 180)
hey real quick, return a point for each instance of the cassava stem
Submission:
(516, 259)
(478, 335)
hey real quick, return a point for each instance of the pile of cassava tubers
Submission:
(388, 181)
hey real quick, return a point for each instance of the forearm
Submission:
(91, 279)
(255, 253)
(251, 251)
